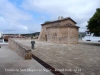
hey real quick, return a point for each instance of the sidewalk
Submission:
(12, 64)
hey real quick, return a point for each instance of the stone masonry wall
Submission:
(20, 49)
(73, 36)
(65, 35)
(62, 35)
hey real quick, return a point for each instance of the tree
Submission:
(94, 23)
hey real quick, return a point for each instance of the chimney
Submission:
(59, 18)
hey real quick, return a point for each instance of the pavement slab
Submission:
(13, 64)
(75, 59)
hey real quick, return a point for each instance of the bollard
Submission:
(32, 42)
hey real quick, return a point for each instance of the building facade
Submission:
(62, 31)
(1, 35)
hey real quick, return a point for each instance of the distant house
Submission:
(63, 30)
(91, 37)
(1, 35)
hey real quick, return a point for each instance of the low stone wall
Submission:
(20, 49)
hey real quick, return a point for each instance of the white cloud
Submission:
(25, 27)
(9, 27)
(13, 18)
(79, 10)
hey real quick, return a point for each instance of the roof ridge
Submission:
(58, 20)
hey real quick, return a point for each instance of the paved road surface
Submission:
(12, 64)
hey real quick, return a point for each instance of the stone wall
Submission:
(65, 32)
(20, 49)
(73, 36)
(63, 35)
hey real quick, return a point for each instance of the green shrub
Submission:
(46, 21)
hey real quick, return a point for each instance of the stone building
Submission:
(63, 30)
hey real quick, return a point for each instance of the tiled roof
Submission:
(58, 21)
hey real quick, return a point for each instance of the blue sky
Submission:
(26, 16)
